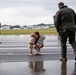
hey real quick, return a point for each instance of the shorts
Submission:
(31, 46)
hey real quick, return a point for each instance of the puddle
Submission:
(38, 68)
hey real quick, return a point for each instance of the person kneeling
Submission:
(35, 43)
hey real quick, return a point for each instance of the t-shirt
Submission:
(32, 40)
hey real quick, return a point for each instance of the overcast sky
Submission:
(29, 12)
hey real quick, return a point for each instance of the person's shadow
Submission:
(37, 66)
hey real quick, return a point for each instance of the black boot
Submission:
(63, 59)
(75, 55)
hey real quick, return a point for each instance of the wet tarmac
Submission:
(38, 68)
(14, 58)
(18, 44)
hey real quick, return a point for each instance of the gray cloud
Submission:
(30, 10)
(47, 4)
(21, 3)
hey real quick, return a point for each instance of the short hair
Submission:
(61, 3)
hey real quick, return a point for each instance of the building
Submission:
(5, 27)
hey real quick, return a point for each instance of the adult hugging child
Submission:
(36, 42)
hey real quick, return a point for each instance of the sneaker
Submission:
(63, 59)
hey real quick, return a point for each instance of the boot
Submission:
(63, 59)
(75, 55)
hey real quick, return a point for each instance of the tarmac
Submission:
(15, 59)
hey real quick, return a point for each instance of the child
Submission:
(31, 43)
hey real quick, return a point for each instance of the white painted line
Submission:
(34, 54)
(28, 48)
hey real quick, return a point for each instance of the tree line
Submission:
(19, 26)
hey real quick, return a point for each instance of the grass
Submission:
(27, 31)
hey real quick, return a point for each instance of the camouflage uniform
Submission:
(65, 21)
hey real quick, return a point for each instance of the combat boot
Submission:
(75, 55)
(63, 59)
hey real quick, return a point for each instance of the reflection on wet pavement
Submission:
(74, 72)
(64, 68)
(38, 68)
